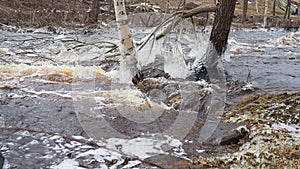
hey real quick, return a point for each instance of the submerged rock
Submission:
(199, 73)
(156, 69)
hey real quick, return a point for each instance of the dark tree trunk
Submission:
(222, 24)
(287, 10)
(274, 7)
(93, 17)
(245, 8)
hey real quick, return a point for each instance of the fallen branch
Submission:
(169, 23)
(199, 9)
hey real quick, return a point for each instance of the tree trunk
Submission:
(274, 7)
(287, 10)
(245, 8)
(128, 66)
(222, 24)
(256, 7)
(93, 17)
(216, 74)
(266, 13)
(110, 4)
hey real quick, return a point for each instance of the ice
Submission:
(174, 64)
(128, 69)
(200, 151)
(66, 57)
(101, 155)
(199, 46)
(149, 52)
(147, 146)
(67, 164)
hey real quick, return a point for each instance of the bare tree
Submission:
(245, 8)
(94, 12)
(266, 13)
(274, 7)
(256, 6)
(287, 12)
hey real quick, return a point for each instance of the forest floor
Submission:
(79, 14)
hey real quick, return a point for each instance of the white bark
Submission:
(256, 7)
(128, 67)
(266, 13)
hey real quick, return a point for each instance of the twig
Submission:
(4, 60)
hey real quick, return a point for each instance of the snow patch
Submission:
(293, 128)
(67, 164)
(147, 147)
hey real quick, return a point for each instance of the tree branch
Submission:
(168, 24)
(199, 9)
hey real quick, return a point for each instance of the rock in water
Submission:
(199, 72)
(227, 134)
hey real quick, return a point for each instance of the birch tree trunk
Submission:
(266, 13)
(128, 66)
(256, 7)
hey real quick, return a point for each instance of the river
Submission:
(42, 74)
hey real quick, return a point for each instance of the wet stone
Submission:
(228, 137)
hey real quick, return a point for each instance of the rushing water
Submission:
(271, 58)
(40, 74)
